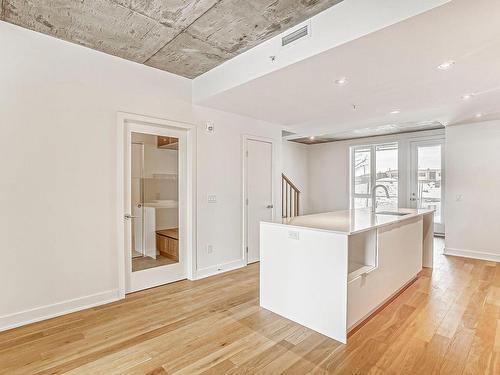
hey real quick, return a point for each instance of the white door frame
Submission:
(245, 139)
(127, 123)
(413, 175)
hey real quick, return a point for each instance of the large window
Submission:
(374, 165)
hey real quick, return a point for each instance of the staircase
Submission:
(290, 198)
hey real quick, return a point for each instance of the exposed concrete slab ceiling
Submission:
(185, 37)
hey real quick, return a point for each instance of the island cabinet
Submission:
(331, 276)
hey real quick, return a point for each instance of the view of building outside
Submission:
(362, 177)
(429, 179)
(386, 173)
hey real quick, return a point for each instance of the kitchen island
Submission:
(331, 271)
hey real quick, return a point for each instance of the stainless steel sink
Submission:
(392, 213)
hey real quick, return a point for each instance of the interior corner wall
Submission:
(295, 165)
(472, 203)
(220, 173)
(58, 118)
(58, 148)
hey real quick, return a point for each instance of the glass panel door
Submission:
(156, 193)
(427, 188)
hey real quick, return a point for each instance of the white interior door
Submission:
(156, 196)
(259, 193)
(427, 179)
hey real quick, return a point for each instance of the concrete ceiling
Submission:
(392, 75)
(185, 37)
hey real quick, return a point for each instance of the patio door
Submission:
(427, 179)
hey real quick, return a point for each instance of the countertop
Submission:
(350, 221)
(162, 203)
(172, 233)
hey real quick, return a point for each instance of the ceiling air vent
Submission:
(294, 36)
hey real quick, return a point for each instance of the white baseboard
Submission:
(220, 268)
(472, 254)
(57, 309)
(37, 314)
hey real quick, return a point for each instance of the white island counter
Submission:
(330, 271)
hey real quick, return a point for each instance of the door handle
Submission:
(128, 217)
(270, 206)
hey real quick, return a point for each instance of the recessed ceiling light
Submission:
(341, 81)
(467, 96)
(478, 115)
(395, 112)
(446, 65)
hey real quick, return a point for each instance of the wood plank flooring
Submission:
(144, 263)
(447, 322)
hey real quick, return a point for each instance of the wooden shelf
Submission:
(161, 176)
(357, 269)
(168, 143)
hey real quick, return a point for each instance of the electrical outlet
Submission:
(212, 198)
(210, 249)
(294, 235)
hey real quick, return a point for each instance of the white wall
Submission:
(329, 170)
(219, 165)
(295, 165)
(58, 108)
(472, 187)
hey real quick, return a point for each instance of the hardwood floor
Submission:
(144, 263)
(447, 322)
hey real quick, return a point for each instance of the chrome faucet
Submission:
(374, 198)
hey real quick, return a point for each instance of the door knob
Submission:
(270, 206)
(128, 217)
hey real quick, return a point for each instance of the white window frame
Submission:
(373, 170)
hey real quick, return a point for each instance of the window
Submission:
(374, 165)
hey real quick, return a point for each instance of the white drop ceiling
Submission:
(391, 69)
